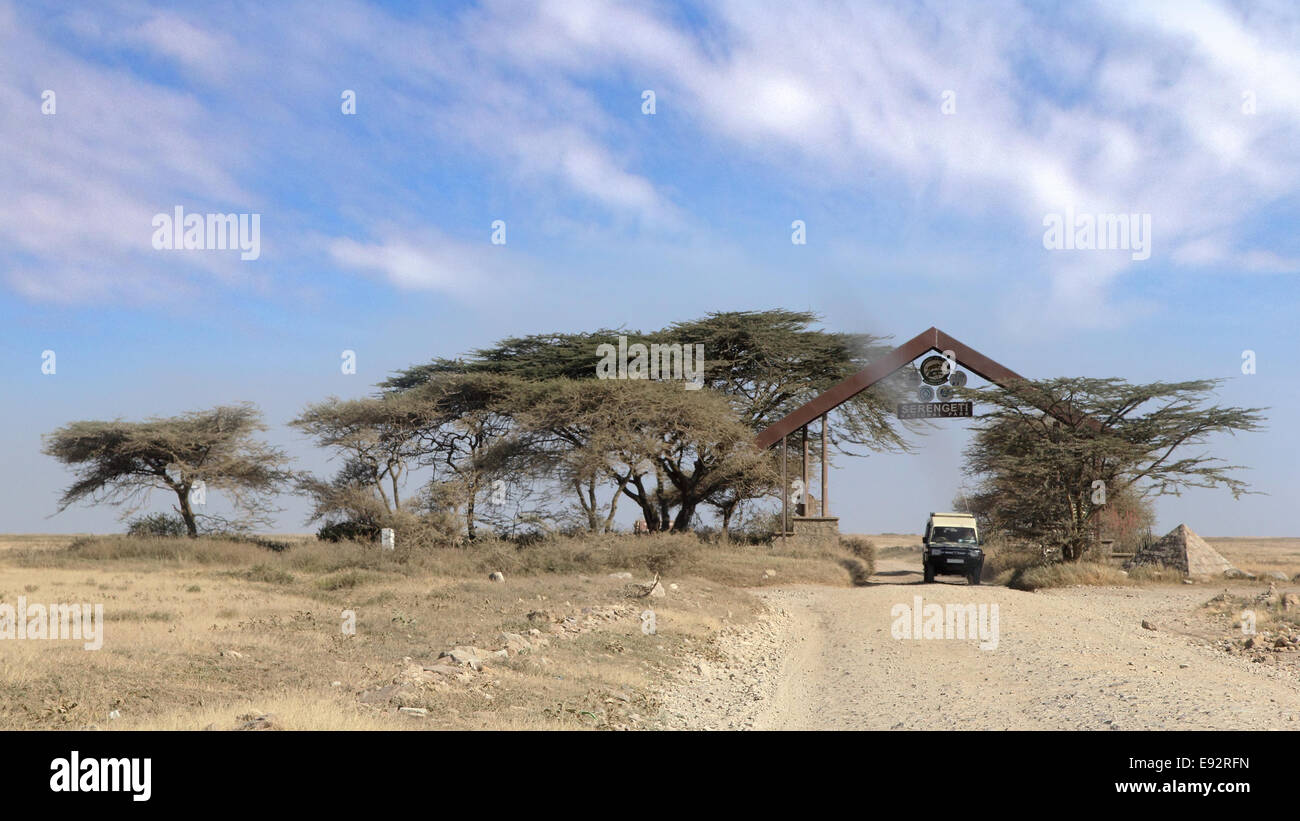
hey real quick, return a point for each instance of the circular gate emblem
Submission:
(934, 370)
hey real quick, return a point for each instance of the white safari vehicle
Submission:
(952, 547)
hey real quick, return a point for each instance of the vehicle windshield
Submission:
(963, 535)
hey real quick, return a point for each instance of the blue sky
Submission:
(376, 226)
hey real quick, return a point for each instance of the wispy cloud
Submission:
(534, 109)
(428, 264)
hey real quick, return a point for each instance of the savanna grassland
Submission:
(219, 634)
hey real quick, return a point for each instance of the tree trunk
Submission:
(661, 500)
(379, 486)
(727, 509)
(469, 513)
(589, 506)
(187, 512)
(682, 523)
(613, 508)
(1073, 550)
(653, 522)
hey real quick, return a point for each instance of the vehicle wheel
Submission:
(929, 574)
(974, 577)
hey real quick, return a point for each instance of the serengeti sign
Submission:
(935, 410)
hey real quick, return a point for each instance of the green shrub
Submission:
(349, 531)
(762, 528)
(160, 525)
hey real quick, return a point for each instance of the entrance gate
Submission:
(931, 339)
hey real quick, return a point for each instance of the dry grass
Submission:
(895, 544)
(12, 541)
(1148, 575)
(1261, 556)
(201, 632)
(1064, 574)
(1002, 560)
(682, 554)
(860, 560)
(1020, 565)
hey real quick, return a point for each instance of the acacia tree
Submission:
(461, 418)
(1127, 519)
(563, 441)
(121, 463)
(377, 439)
(765, 364)
(533, 358)
(667, 449)
(1043, 452)
(730, 499)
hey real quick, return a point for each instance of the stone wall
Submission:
(816, 527)
(1164, 553)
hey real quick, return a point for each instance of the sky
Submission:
(923, 148)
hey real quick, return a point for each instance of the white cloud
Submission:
(422, 264)
(79, 188)
(1137, 111)
(1118, 117)
(208, 52)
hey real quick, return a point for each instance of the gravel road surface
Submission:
(1077, 658)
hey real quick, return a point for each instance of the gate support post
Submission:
(785, 492)
(803, 497)
(826, 494)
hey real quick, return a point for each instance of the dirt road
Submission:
(1078, 658)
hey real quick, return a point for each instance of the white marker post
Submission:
(387, 539)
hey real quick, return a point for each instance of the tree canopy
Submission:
(1050, 452)
(666, 449)
(767, 363)
(121, 462)
(764, 364)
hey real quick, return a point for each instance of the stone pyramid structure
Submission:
(1181, 548)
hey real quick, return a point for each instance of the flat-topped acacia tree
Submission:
(122, 463)
(668, 450)
(763, 363)
(1048, 453)
(766, 363)
(444, 423)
